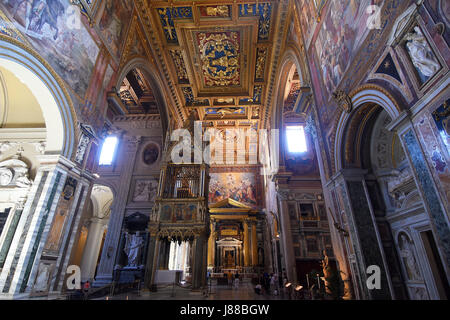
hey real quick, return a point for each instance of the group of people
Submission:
(268, 284)
(233, 280)
(82, 293)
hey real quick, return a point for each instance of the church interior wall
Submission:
(372, 95)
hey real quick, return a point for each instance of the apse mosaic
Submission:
(236, 186)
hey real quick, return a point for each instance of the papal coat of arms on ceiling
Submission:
(220, 55)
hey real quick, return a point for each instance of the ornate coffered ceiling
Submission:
(217, 55)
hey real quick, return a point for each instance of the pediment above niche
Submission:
(14, 173)
(229, 242)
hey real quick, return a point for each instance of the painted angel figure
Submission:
(133, 246)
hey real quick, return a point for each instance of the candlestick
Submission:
(318, 280)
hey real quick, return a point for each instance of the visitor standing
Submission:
(236, 280)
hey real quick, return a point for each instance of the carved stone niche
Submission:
(14, 173)
(400, 185)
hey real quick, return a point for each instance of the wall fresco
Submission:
(236, 186)
(114, 23)
(68, 48)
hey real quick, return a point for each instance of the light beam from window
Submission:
(296, 139)
(108, 151)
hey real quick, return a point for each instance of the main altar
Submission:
(234, 244)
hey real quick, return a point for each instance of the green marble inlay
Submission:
(430, 195)
(9, 236)
(40, 231)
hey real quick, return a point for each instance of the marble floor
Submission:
(245, 291)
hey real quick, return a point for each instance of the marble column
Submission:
(247, 254)
(129, 147)
(286, 237)
(152, 262)
(26, 248)
(199, 262)
(364, 233)
(340, 247)
(429, 190)
(92, 249)
(211, 245)
(254, 245)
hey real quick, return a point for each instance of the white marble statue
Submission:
(132, 248)
(6, 176)
(420, 52)
(21, 176)
(407, 254)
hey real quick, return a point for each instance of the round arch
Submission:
(362, 96)
(102, 198)
(154, 81)
(290, 58)
(49, 90)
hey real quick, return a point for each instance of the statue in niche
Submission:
(229, 259)
(42, 278)
(133, 244)
(260, 257)
(409, 260)
(421, 54)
